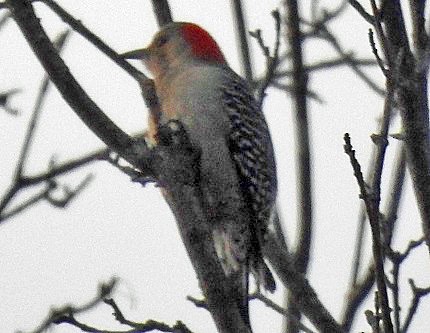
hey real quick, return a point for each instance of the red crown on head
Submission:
(202, 44)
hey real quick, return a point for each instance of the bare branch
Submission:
(80, 28)
(198, 303)
(61, 39)
(5, 98)
(372, 208)
(412, 101)
(375, 52)
(304, 174)
(364, 14)
(348, 59)
(147, 326)
(397, 259)
(71, 91)
(360, 289)
(26, 204)
(324, 33)
(277, 308)
(307, 299)
(68, 194)
(327, 15)
(60, 169)
(271, 61)
(162, 12)
(289, 89)
(302, 134)
(104, 290)
(242, 38)
(147, 86)
(17, 183)
(377, 14)
(356, 296)
(418, 294)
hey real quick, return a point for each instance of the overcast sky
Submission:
(117, 228)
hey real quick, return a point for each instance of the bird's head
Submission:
(176, 43)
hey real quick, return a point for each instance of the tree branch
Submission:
(272, 61)
(371, 201)
(179, 173)
(242, 37)
(307, 301)
(304, 176)
(80, 28)
(132, 151)
(162, 12)
(418, 294)
(359, 290)
(411, 91)
(277, 308)
(104, 290)
(360, 10)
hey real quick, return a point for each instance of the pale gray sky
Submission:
(115, 227)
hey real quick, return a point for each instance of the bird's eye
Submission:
(161, 41)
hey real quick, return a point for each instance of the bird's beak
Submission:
(137, 54)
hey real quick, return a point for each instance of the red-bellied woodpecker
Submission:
(195, 85)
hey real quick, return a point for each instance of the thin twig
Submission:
(242, 37)
(146, 84)
(418, 294)
(372, 201)
(80, 28)
(397, 259)
(308, 302)
(104, 290)
(329, 64)
(271, 61)
(198, 303)
(89, 112)
(322, 32)
(5, 98)
(339, 61)
(59, 43)
(358, 247)
(17, 184)
(372, 208)
(68, 194)
(389, 56)
(356, 296)
(147, 326)
(359, 289)
(328, 15)
(26, 204)
(65, 167)
(375, 53)
(279, 309)
(289, 89)
(360, 10)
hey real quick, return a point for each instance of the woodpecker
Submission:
(195, 86)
